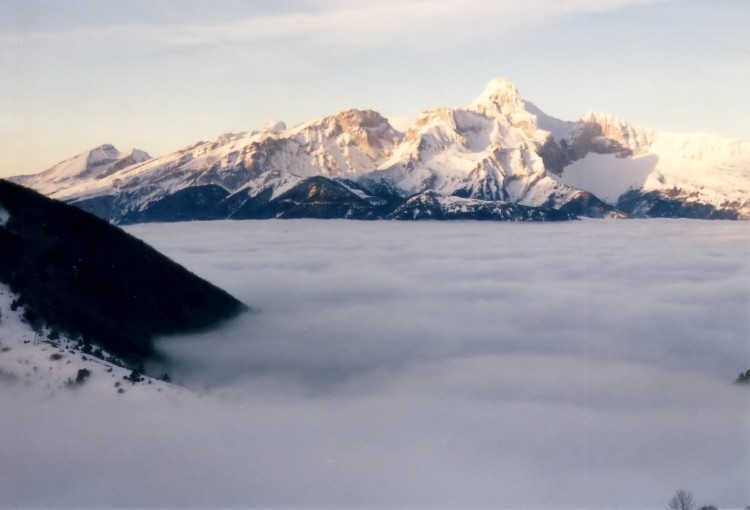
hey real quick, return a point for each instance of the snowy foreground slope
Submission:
(498, 148)
(47, 363)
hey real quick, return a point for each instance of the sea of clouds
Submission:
(413, 365)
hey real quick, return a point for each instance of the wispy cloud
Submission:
(345, 25)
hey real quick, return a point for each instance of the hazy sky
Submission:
(163, 74)
(422, 365)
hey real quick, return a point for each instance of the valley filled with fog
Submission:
(423, 364)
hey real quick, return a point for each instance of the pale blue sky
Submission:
(162, 74)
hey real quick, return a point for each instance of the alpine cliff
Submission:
(496, 152)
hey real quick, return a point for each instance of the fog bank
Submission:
(419, 365)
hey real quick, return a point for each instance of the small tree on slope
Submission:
(682, 500)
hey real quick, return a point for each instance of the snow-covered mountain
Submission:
(645, 172)
(498, 148)
(93, 165)
(489, 150)
(266, 162)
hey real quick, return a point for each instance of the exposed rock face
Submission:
(603, 134)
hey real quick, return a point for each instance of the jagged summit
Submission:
(354, 121)
(139, 155)
(104, 152)
(502, 100)
(500, 96)
(348, 142)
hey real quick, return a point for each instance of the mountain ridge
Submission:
(498, 148)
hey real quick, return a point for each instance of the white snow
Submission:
(45, 367)
(713, 170)
(559, 129)
(607, 176)
(102, 154)
(139, 156)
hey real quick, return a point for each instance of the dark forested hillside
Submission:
(82, 276)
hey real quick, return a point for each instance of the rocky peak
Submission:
(369, 131)
(353, 120)
(106, 158)
(139, 156)
(123, 161)
(499, 96)
(101, 155)
(501, 100)
(612, 135)
(431, 120)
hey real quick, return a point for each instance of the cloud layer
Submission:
(343, 24)
(425, 365)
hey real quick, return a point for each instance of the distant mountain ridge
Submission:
(498, 149)
(93, 165)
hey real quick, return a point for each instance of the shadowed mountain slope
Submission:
(82, 276)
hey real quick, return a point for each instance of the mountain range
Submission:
(498, 158)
